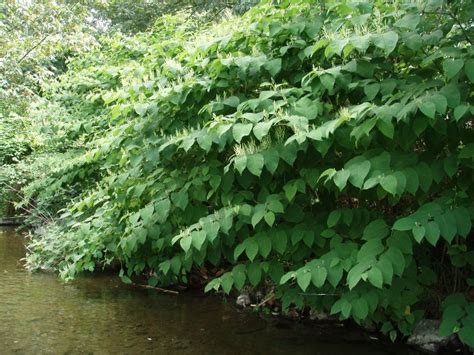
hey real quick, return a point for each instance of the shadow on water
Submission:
(100, 315)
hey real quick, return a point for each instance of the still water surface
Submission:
(100, 315)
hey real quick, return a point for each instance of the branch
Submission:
(34, 47)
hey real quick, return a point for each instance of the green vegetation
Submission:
(323, 153)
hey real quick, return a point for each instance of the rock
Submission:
(319, 315)
(243, 300)
(426, 336)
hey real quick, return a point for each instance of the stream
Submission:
(97, 314)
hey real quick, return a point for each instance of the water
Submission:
(100, 315)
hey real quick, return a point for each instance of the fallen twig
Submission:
(157, 289)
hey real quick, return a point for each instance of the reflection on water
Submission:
(100, 315)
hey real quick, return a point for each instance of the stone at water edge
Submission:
(243, 300)
(426, 336)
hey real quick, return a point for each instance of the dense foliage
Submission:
(321, 153)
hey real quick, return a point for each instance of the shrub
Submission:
(323, 151)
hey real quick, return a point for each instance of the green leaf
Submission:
(272, 158)
(386, 41)
(261, 129)
(303, 279)
(370, 250)
(432, 233)
(375, 277)
(409, 21)
(425, 175)
(460, 111)
(240, 163)
(404, 224)
(251, 248)
(359, 167)
(162, 209)
(418, 232)
(318, 276)
(273, 66)
(276, 206)
(328, 81)
(180, 199)
(463, 221)
(141, 108)
(376, 229)
(355, 274)
(254, 273)
(333, 218)
(398, 260)
(361, 43)
(279, 241)
(258, 214)
(239, 275)
(185, 243)
(240, 130)
(371, 90)
(146, 213)
(255, 164)
(269, 218)
(428, 108)
(466, 334)
(227, 281)
(198, 239)
(389, 183)
(340, 178)
(360, 309)
(469, 69)
(452, 66)
(264, 244)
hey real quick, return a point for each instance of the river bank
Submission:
(99, 314)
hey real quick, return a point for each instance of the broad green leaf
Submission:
(261, 129)
(328, 81)
(452, 66)
(398, 260)
(239, 276)
(273, 66)
(255, 163)
(251, 248)
(432, 233)
(376, 229)
(370, 250)
(386, 41)
(264, 244)
(375, 277)
(269, 218)
(303, 279)
(360, 308)
(198, 239)
(185, 243)
(227, 281)
(254, 273)
(418, 232)
(359, 167)
(318, 276)
(428, 108)
(141, 108)
(389, 183)
(180, 199)
(371, 91)
(279, 241)
(469, 69)
(240, 130)
(340, 178)
(404, 224)
(333, 218)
